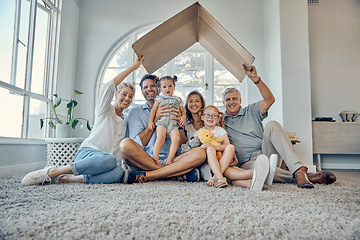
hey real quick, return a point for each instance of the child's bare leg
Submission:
(160, 140)
(175, 139)
(239, 177)
(215, 166)
(213, 162)
(235, 173)
(227, 157)
(242, 183)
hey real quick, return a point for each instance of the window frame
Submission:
(50, 60)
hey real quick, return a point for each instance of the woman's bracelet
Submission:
(257, 82)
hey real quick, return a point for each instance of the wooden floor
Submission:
(347, 175)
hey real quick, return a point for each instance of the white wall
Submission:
(68, 53)
(18, 157)
(334, 29)
(272, 44)
(335, 57)
(296, 92)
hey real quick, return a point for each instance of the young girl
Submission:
(211, 116)
(225, 167)
(166, 124)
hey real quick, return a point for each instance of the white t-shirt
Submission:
(109, 129)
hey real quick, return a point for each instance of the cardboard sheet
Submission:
(193, 24)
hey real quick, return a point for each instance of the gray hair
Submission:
(231, 89)
(125, 84)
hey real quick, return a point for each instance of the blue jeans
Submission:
(96, 166)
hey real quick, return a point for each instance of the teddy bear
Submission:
(191, 143)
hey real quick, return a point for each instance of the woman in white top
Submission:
(96, 160)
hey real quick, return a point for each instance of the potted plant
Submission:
(70, 121)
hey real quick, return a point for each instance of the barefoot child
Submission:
(166, 124)
(253, 178)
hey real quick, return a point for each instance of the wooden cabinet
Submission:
(335, 138)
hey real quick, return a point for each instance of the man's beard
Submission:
(150, 99)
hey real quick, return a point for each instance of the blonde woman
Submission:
(96, 160)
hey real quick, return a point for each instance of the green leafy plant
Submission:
(71, 104)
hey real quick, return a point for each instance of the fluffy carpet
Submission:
(177, 210)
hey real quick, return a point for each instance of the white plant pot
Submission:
(63, 131)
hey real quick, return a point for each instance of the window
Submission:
(27, 52)
(195, 68)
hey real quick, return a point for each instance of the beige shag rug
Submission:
(177, 210)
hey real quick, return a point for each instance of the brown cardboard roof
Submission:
(193, 24)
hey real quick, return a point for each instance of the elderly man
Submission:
(247, 134)
(138, 148)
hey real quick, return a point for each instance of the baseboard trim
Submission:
(341, 166)
(12, 170)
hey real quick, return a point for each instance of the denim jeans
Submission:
(96, 166)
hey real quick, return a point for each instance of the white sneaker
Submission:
(37, 177)
(273, 164)
(261, 170)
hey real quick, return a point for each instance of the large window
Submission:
(27, 57)
(195, 68)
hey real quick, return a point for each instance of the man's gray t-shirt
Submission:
(245, 131)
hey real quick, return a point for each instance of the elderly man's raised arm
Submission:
(268, 97)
